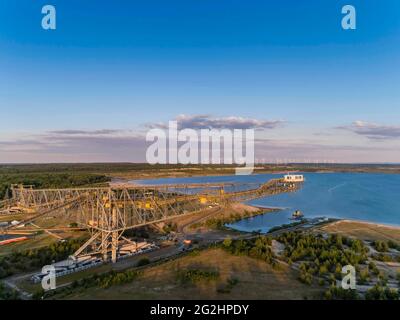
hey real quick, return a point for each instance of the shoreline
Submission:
(365, 222)
(333, 220)
(128, 176)
(119, 180)
(174, 175)
(362, 230)
(265, 209)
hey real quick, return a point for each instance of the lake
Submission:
(370, 197)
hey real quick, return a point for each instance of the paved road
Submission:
(23, 294)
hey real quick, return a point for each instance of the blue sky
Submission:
(119, 65)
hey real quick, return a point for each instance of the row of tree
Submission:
(28, 260)
(259, 248)
(329, 251)
(195, 275)
(48, 180)
(103, 280)
(384, 246)
(322, 256)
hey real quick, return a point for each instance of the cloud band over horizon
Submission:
(118, 145)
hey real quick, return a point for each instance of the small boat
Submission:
(297, 215)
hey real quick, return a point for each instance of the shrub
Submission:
(227, 288)
(258, 248)
(143, 261)
(338, 293)
(195, 275)
(381, 246)
(378, 292)
(227, 242)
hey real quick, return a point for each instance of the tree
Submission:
(364, 276)
(339, 293)
(381, 246)
(227, 242)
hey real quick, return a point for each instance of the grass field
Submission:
(255, 280)
(38, 241)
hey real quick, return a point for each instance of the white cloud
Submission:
(372, 130)
(209, 122)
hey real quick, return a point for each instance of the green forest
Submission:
(55, 175)
(48, 180)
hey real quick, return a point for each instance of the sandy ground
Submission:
(241, 207)
(193, 226)
(187, 172)
(363, 230)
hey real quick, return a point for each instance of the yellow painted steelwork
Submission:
(203, 200)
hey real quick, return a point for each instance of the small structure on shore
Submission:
(293, 178)
(297, 215)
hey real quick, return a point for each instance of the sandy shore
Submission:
(369, 223)
(363, 229)
(197, 173)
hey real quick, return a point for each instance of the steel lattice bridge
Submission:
(109, 211)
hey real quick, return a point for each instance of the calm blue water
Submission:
(359, 196)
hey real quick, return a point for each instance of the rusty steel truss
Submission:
(109, 211)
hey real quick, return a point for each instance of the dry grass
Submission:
(257, 280)
(363, 230)
(41, 240)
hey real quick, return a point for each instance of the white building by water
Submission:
(293, 178)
